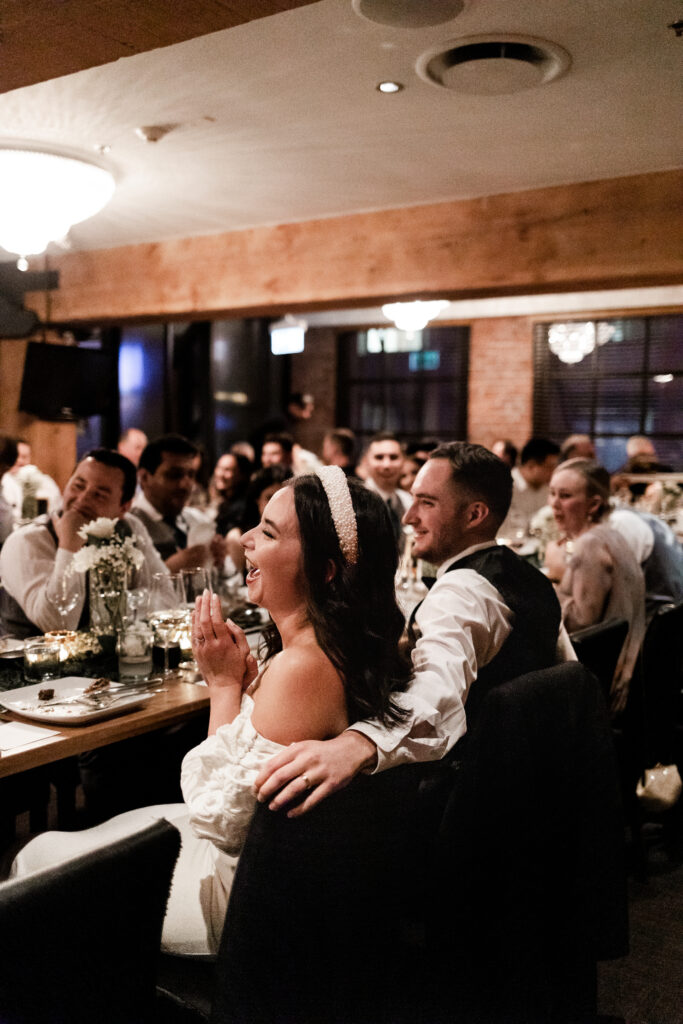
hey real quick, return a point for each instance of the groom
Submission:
(488, 618)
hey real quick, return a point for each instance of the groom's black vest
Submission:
(535, 619)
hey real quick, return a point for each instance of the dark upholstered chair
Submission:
(79, 944)
(531, 863)
(598, 648)
(379, 907)
(323, 923)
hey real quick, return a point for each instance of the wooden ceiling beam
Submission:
(41, 39)
(621, 232)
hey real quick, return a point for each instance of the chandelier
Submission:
(571, 342)
(413, 316)
(43, 194)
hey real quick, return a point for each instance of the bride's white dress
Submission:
(217, 783)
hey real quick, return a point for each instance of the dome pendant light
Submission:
(42, 194)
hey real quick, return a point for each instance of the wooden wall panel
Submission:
(603, 234)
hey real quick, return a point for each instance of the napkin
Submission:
(15, 734)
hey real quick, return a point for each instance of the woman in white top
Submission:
(322, 561)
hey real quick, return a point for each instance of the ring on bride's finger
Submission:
(307, 781)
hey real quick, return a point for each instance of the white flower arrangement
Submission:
(30, 479)
(107, 546)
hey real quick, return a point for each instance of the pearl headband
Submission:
(333, 479)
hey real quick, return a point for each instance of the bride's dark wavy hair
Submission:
(356, 619)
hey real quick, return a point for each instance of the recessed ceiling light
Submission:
(663, 378)
(389, 87)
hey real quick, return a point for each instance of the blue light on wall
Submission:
(131, 367)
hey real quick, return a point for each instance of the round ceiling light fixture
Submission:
(408, 13)
(413, 316)
(43, 194)
(493, 65)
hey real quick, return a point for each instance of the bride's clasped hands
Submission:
(223, 657)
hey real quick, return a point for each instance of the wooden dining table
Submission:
(179, 701)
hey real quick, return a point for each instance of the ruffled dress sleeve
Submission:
(217, 779)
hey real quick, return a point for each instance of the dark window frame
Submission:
(595, 371)
(390, 378)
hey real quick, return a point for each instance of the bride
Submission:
(322, 562)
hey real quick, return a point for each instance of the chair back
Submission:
(598, 648)
(322, 907)
(661, 668)
(531, 856)
(79, 943)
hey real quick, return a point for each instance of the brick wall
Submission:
(315, 370)
(501, 380)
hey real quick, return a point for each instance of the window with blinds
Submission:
(630, 383)
(411, 383)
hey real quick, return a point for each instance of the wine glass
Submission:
(195, 582)
(138, 603)
(65, 598)
(168, 601)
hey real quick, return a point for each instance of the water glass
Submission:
(195, 582)
(134, 649)
(42, 659)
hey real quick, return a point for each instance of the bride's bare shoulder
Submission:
(301, 696)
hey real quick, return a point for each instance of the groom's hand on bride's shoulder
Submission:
(315, 768)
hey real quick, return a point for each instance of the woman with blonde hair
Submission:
(597, 578)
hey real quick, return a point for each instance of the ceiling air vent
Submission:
(493, 64)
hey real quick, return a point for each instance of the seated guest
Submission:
(596, 575)
(262, 486)
(46, 490)
(8, 456)
(132, 443)
(228, 490)
(641, 457)
(167, 475)
(36, 558)
(658, 552)
(530, 486)
(339, 449)
(506, 451)
(322, 562)
(384, 462)
(490, 616)
(412, 464)
(577, 446)
(277, 450)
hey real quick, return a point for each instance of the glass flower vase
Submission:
(108, 597)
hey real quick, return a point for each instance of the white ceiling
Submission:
(279, 119)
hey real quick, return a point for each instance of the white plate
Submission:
(24, 701)
(11, 647)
